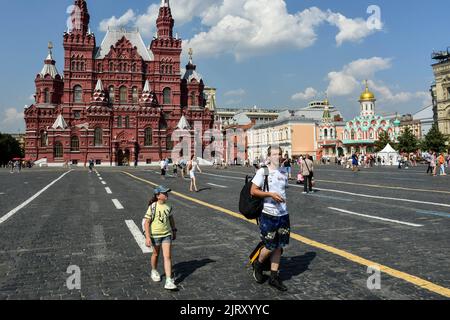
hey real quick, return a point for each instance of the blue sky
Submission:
(269, 53)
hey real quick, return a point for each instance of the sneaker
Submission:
(304, 192)
(276, 283)
(156, 276)
(258, 272)
(170, 284)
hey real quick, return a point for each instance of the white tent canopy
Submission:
(389, 156)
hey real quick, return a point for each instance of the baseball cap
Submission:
(161, 189)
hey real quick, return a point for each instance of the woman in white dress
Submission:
(193, 167)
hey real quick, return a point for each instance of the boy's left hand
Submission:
(174, 235)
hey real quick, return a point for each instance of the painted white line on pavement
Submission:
(353, 194)
(138, 236)
(23, 205)
(100, 178)
(108, 190)
(2, 193)
(103, 182)
(217, 185)
(117, 204)
(376, 218)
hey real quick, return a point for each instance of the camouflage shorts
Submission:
(275, 231)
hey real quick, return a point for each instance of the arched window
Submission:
(352, 135)
(133, 67)
(74, 144)
(111, 66)
(98, 138)
(112, 96)
(58, 151)
(119, 122)
(73, 65)
(331, 134)
(135, 95)
(44, 140)
(148, 141)
(127, 122)
(170, 69)
(46, 96)
(78, 94)
(78, 66)
(81, 66)
(123, 94)
(99, 67)
(325, 133)
(193, 99)
(167, 96)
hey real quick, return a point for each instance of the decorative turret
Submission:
(49, 84)
(367, 101)
(326, 113)
(165, 21)
(99, 96)
(80, 17)
(148, 97)
(193, 86)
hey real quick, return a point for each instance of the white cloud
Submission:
(12, 120)
(247, 28)
(386, 95)
(113, 22)
(349, 82)
(352, 30)
(349, 79)
(237, 93)
(307, 95)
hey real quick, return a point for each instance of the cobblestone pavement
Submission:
(76, 223)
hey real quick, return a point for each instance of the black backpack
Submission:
(250, 206)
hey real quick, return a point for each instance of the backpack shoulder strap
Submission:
(266, 179)
(154, 206)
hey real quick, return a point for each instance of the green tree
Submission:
(434, 140)
(9, 148)
(382, 142)
(407, 141)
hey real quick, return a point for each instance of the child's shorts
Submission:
(157, 242)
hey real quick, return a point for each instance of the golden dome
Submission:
(367, 95)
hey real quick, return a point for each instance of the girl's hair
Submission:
(153, 200)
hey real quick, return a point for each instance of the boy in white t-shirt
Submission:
(274, 222)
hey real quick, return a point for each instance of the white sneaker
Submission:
(156, 276)
(170, 284)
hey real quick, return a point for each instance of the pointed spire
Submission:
(99, 86)
(147, 87)
(60, 123)
(183, 124)
(99, 96)
(80, 17)
(165, 21)
(49, 64)
(147, 98)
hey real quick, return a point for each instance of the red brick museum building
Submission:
(116, 103)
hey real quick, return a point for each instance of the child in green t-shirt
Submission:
(160, 231)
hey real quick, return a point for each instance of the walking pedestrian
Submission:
(355, 162)
(307, 170)
(193, 167)
(160, 232)
(288, 166)
(91, 165)
(274, 222)
(163, 167)
(441, 163)
(428, 156)
(433, 163)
